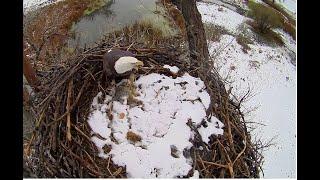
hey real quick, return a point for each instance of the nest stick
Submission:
(230, 165)
(119, 170)
(94, 79)
(73, 105)
(34, 132)
(63, 78)
(82, 133)
(83, 162)
(215, 164)
(202, 163)
(55, 115)
(242, 151)
(92, 161)
(68, 110)
(130, 46)
(108, 167)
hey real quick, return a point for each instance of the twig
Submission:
(130, 46)
(65, 77)
(55, 115)
(215, 164)
(153, 61)
(115, 174)
(27, 151)
(84, 163)
(244, 148)
(68, 110)
(73, 105)
(93, 55)
(92, 161)
(202, 163)
(82, 133)
(34, 132)
(230, 165)
(108, 167)
(94, 79)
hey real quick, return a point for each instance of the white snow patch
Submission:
(195, 175)
(168, 104)
(30, 5)
(253, 69)
(214, 127)
(225, 18)
(173, 69)
(289, 5)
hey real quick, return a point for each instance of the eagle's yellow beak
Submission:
(138, 64)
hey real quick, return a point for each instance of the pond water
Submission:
(115, 15)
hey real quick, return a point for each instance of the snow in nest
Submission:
(168, 104)
(226, 18)
(173, 69)
(195, 175)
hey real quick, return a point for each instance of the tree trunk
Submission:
(198, 47)
(195, 32)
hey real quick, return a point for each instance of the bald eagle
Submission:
(121, 64)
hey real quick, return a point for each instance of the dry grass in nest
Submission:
(62, 138)
(133, 137)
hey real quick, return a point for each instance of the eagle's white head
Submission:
(127, 63)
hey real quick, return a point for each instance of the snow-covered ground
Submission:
(158, 125)
(291, 5)
(29, 5)
(271, 76)
(226, 18)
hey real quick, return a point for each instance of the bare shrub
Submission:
(214, 32)
(265, 17)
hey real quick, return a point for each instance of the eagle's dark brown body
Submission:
(109, 60)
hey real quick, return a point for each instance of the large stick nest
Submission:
(63, 107)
